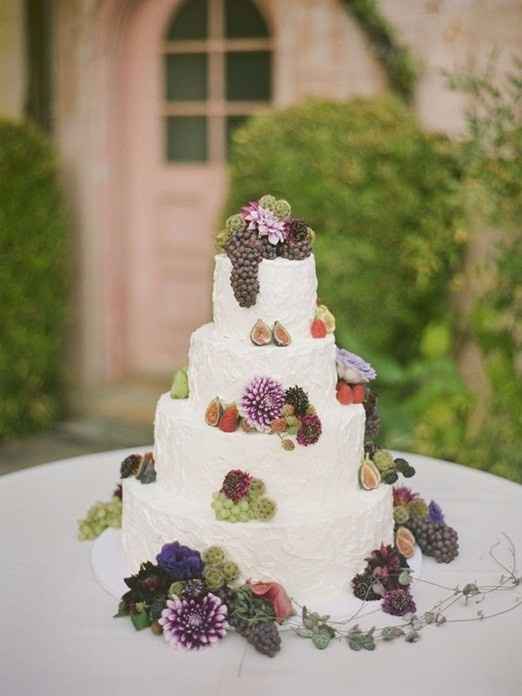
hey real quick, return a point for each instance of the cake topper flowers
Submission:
(263, 229)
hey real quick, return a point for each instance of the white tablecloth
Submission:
(57, 634)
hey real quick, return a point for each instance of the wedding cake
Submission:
(260, 451)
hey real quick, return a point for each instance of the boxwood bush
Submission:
(384, 199)
(33, 282)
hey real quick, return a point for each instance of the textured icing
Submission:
(287, 293)
(312, 558)
(192, 459)
(222, 367)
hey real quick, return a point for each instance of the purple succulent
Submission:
(193, 624)
(262, 402)
(435, 513)
(309, 431)
(180, 562)
(352, 368)
(265, 223)
(398, 602)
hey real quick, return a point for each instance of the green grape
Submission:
(221, 516)
(244, 517)
(228, 503)
(243, 505)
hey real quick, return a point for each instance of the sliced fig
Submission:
(261, 334)
(405, 542)
(214, 412)
(369, 475)
(281, 335)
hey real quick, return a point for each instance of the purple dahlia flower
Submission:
(398, 602)
(193, 624)
(180, 562)
(262, 402)
(435, 513)
(265, 223)
(352, 368)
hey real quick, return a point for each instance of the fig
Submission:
(214, 412)
(369, 475)
(405, 542)
(261, 334)
(281, 335)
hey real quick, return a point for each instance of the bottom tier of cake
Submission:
(315, 558)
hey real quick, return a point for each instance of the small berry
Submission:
(288, 445)
(230, 419)
(359, 392)
(344, 394)
(231, 569)
(318, 328)
(278, 425)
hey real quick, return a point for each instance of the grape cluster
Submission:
(251, 507)
(227, 510)
(435, 539)
(295, 249)
(98, 518)
(373, 421)
(244, 249)
(264, 637)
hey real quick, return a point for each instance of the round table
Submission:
(58, 635)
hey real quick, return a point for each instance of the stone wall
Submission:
(12, 58)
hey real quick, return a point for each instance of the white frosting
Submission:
(325, 525)
(192, 459)
(223, 367)
(313, 558)
(287, 293)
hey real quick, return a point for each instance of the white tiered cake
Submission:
(325, 524)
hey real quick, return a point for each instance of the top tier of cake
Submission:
(288, 294)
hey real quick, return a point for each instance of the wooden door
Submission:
(193, 70)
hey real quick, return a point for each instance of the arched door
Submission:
(193, 70)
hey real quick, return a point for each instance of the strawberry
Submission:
(229, 421)
(318, 328)
(359, 392)
(344, 393)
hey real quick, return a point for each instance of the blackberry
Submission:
(297, 230)
(194, 589)
(373, 421)
(295, 249)
(265, 638)
(244, 251)
(435, 539)
(298, 398)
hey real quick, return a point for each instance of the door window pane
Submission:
(232, 123)
(187, 77)
(186, 138)
(190, 21)
(248, 76)
(244, 21)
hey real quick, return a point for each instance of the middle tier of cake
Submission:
(192, 459)
(223, 367)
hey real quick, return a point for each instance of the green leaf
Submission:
(141, 620)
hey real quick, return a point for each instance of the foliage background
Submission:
(33, 282)
(390, 204)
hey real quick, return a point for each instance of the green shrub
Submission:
(33, 282)
(384, 199)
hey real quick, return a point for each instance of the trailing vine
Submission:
(395, 58)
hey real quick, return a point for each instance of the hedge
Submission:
(34, 282)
